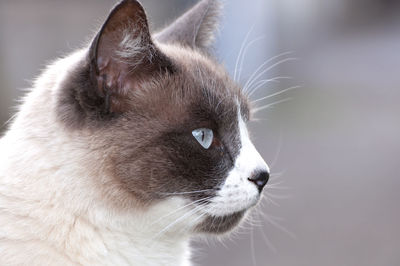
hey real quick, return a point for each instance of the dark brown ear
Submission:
(195, 28)
(123, 54)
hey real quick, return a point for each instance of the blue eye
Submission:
(204, 136)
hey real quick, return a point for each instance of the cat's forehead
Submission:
(206, 82)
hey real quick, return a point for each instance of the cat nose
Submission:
(260, 179)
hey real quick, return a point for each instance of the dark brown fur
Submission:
(150, 151)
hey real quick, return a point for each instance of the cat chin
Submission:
(220, 224)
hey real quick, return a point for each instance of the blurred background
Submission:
(333, 143)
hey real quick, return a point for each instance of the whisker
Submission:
(261, 66)
(187, 214)
(180, 208)
(195, 220)
(275, 94)
(276, 218)
(252, 247)
(275, 187)
(280, 227)
(241, 51)
(5, 124)
(278, 174)
(188, 192)
(244, 54)
(257, 119)
(267, 241)
(250, 83)
(252, 220)
(261, 83)
(278, 151)
(278, 187)
(272, 201)
(268, 193)
(255, 110)
(274, 184)
(275, 175)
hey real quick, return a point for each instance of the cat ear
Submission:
(196, 28)
(122, 54)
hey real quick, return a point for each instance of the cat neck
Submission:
(71, 221)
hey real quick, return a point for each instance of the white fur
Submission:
(56, 215)
(130, 46)
(54, 212)
(238, 193)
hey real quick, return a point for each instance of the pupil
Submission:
(202, 135)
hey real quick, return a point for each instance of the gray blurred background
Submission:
(334, 145)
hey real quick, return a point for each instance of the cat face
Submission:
(171, 121)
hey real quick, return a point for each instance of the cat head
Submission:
(170, 120)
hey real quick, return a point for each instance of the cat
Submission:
(127, 148)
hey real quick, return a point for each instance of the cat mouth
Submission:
(220, 224)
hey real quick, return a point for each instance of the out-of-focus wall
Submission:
(333, 147)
